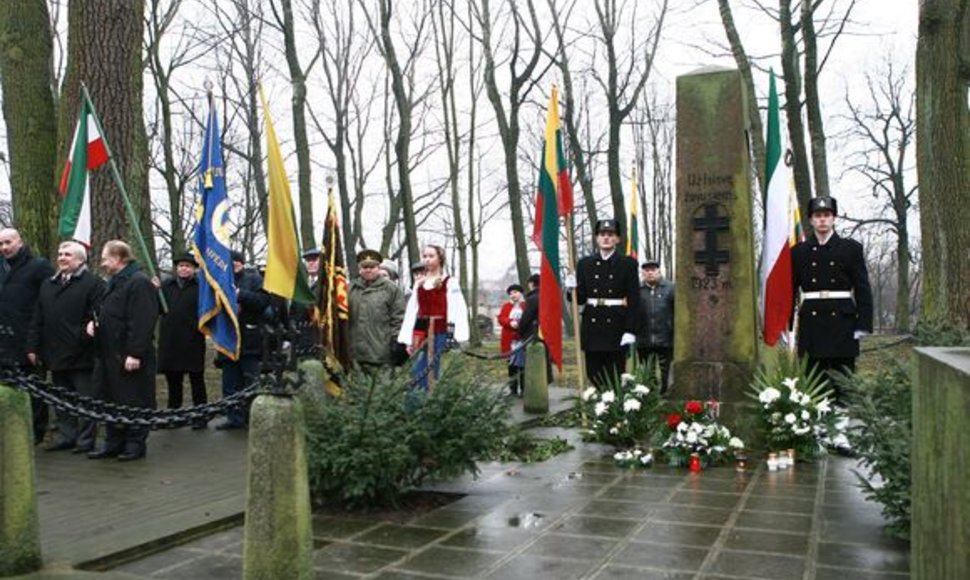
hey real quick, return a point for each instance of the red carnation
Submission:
(673, 420)
(694, 407)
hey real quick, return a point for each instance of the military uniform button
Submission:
(609, 320)
(597, 276)
(813, 280)
(833, 314)
(814, 264)
(814, 313)
(592, 320)
(611, 276)
(831, 263)
(815, 248)
(833, 280)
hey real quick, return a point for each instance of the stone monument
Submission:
(715, 332)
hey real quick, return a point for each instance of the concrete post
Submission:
(278, 541)
(19, 524)
(536, 395)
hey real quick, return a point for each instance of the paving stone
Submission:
(575, 547)
(450, 562)
(630, 493)
(680, 514)
(446, 518)
(619, 509)
(794, 523)
(396, 536)
(832, 573)
(705, 499)
(528, 567)
(776, 542)
(661, 556)
(779, 504)
(490, 539)
(668, 533)
(596, 526)
(160, 561)
(750, 565)
(722, 485)
(615, 572)
(218, 541)
(355, 558)
(331, 575)
(339, 528)
(863, 557)
(212, 567)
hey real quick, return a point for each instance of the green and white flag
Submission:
(88, 151)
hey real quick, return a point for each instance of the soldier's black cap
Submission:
(609, 225)
(187, 258)
(513, 287)
(312, 253)
(237, 256)
(650, 263)
(369, 258)
(824, 203)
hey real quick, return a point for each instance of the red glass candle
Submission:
(695, 463)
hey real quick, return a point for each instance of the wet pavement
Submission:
(579, 516)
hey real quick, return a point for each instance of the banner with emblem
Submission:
(211, 246)
(333, 310)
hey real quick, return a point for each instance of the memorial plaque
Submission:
(715, 338)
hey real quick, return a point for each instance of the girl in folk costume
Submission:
(508, 319)
(435, 305)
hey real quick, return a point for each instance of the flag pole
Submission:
(571, 243)
(129, 209)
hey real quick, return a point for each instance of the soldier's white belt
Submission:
(826, 295)
(606, 301)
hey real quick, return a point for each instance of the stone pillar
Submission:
(940, 530)
(278, 533)
(19, 524)
(536, 389)
(715, 332)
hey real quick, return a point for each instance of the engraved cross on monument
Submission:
(715, 333)
(710, 224)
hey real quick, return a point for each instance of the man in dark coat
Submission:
(835, 302)
(529, 323)
(21, 275)
(58, 342)
(125, 336)
(302, 316)
(655, 334)
(181, 347)
(607, 284)
(254, 311)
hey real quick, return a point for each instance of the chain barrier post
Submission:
(278, 539)
(536, 389)
(19, 523)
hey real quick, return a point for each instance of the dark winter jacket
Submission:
(181, 347)
(20, 281)
(656, 316)
(255, 309)
(126, 327)
(57, 332)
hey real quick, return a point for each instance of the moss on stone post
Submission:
(19, 525)
(536, 398)
(278, 541)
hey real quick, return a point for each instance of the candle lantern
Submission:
(695, 462)
(772, 462)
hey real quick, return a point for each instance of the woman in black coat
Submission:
(181, 347)
(125, 335)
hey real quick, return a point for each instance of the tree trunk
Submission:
(816, 131)
(298, 81)
(791, 73)
(26, 48)
(757, 136)
(942, 152)
(104, 52)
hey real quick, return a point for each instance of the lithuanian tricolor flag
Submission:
(633, 240)
(285, 272)
(554, 199)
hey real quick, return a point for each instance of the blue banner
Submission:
(217, 288)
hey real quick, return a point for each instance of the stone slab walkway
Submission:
(578, 516)
(192, 482)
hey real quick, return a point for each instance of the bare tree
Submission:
(298, 75)
(884, 125)
(523, 76)
(627, 71)
(653, 137)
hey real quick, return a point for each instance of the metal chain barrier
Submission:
(903, 338)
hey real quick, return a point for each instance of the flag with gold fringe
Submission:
(332, 306)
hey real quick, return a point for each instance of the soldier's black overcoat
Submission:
(613, 278)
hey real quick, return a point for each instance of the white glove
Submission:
(627, 338)
(859, 334)
(570, 281)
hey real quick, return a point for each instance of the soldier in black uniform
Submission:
(607, 284)
(831, 285)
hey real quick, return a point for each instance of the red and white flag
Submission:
(88, 151)
(777, 294)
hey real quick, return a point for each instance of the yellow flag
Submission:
(285, 272)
